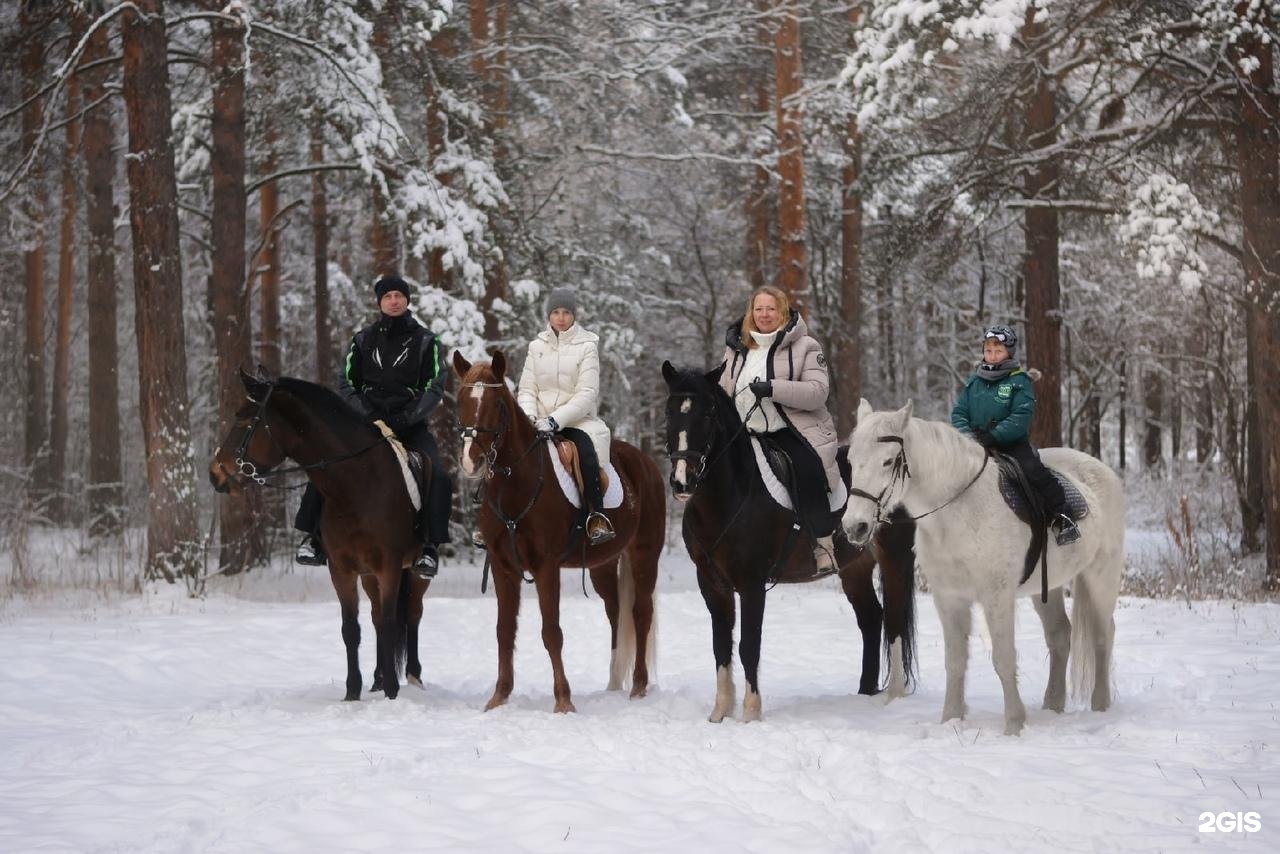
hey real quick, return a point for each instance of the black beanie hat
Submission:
(392, 283)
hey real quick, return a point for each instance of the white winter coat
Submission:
(561, 380)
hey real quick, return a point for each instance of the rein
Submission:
(248, 469)
(902, 471)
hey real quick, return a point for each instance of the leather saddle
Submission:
(1014, 490)
(572, 460)
(783, 469)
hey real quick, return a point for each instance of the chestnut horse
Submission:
(526, 522)
(741, 541)
(367, 521)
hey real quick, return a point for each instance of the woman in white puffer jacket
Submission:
(560, 389)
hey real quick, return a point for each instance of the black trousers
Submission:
(433, 518)
(1039, 476)
(811, 482)
(590, 462)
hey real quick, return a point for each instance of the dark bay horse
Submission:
(367, 521)
(738, 538)
(526, 521)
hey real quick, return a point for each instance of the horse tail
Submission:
(624, 650)
(402, 619)
(897, 559)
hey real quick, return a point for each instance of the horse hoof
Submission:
(352, 697)
(413, 680)
(639, 691)
(494, 702)
(1013, 728)
(563, 707)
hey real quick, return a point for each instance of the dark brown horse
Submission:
(526, 522)
(739, 539)
(367, 521)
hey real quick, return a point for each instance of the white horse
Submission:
(972, 548)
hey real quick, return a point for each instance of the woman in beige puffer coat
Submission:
(771, 358)
(560, 389)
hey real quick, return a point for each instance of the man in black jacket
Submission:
(394, 371)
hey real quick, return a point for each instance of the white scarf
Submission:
(765, 418)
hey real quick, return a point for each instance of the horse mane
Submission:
(945, 452)
(324, 403)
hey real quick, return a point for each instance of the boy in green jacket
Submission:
(996, 407)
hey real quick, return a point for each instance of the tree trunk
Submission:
(759, 208)
(1124, 413)
(105, 488)
(35, 426)
(326, 362)
(496, 279)
(793, 263)
(173, 540)
(445, 46)
(268, 268)
(242, 539)
(846, 381)
(1258, 156)
(1040, 265)
(1153, 403)
(58, 420)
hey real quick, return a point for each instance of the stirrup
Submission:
(427, 564)
(599, 529)
(477, 540)
(1066, 531)
(310, 552)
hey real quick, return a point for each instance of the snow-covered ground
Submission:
(162, 723)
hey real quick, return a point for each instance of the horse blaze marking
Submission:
(686, 406)
(682, 446)
(477, 391)
(466, 456)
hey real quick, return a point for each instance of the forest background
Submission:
(192, 187)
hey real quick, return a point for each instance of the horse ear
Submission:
(903, 416)
(460, 363)
(864, 409)
(499, 364)
(668, 371)
(713, 375)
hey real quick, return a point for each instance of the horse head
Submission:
(484, 413)
(247, 452)
(877, 458)
(693, 425)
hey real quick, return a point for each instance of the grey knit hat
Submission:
(562, 298)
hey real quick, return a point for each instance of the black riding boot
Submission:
(599, 528)
(310, 551)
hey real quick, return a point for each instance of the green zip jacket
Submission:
(1002, 407)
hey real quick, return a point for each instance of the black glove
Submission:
(762, 388)
(398, 423)
(984, 438)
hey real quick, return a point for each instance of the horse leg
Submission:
(370, 585)
(547, 581)
(956, 615)
(721, 608)
(998, 608)
(390, 631)
(344, 584)
(1057, 635)
(859, 589)
(641, 564)
(604, 580)
(417, 590)
(506, 586)
(749, 650)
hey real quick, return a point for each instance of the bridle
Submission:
(472, 432)
(901, 472)
(250, 470)
(709, 420)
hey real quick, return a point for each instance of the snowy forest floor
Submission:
(157, 722)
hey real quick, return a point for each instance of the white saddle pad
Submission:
(612, 495)
(410, 483)
(778, 492)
